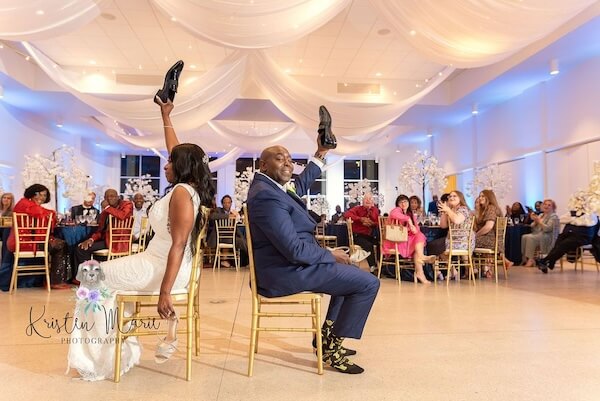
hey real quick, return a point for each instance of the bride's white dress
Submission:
(92, 348)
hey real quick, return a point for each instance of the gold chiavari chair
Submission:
(226, 246)
(459, 252)
(120, 233)
(140, 246)
(326, 241)
(398, 262)
(484, 256)
(258, 314)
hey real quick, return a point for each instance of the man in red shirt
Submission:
(365, 219)
(112, 205)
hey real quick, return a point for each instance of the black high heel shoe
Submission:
(171, 82)
(326, 137)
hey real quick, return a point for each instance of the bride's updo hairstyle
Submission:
(190, 166)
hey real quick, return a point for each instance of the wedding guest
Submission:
(87, 207)
(432, 206)
(455, 214)
(486, 213)
(544, 231)
(178, 219)
(31, 204)
(139, 211)
(415, 207)
(365, 219)
(7, 202)
(413, 248)
(338, 216)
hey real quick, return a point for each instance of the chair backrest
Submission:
(225, 231)
(460, 235)
(501, 223)
(250, 253)
(144, 230)
(198, 261)
(31, 233)
(320, 231)
(120, 233)
(350, 236)
(383, 223)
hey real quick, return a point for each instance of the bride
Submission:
(166, 264)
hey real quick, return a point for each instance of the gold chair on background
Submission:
(226, 242)
(258, 301)
(483, 256)
(579, 254)
(399, 262)
(459, 252)
(140, 246)
(120, 233)
(323, 239)
(31, 238)
(187, 297)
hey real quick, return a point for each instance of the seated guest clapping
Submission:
(544, 231)
(413, 248)
(112, 205)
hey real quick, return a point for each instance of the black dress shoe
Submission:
(171, 82)
(542, 265)
(326, 137)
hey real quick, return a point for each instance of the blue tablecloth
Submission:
(340, 231)
(74, 235)
(512, 241)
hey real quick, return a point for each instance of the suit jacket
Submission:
(123, 210)
(287, 257)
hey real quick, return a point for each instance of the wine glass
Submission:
(80, 219)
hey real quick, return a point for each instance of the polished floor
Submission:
(534, 337)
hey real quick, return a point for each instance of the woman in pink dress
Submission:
(413, 248)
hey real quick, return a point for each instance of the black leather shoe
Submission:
(542, 265)
(326, 137)
(171, 82)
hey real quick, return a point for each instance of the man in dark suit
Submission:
(86, 207)
(289, 260)
(112, 205)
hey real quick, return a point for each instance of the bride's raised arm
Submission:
(170, 136)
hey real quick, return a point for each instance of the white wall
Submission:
(18, 140)
(547, 138)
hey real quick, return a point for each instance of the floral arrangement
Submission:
(94, 297)
(319, 205)
(423, 171)
(144, 187)
(242, 184)
(490, 177)
(581, 203)
(357, 190)
(60, 167)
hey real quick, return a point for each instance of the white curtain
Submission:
(44, 19)
(251, 24)
(252, 143)
(301, 104)
(197, 103)
(467, 33)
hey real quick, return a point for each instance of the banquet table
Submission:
(512, 241)
(73, 235)
(340, 231)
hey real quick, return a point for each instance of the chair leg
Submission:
(397, 265)
(188, 357)
(317, 312)
(47, 269)
(197, 324)
(118, 342)
(217, 260)
(380, 265)
(13, 277)
(253, 339)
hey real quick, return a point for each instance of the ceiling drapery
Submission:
(251, 24)
(467, 33)
(44, 19)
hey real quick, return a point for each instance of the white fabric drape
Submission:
(251, 24)
(469, 33)
(256, 143)
(301, 104)
(197, 103)
(44, 19)
(228, 158)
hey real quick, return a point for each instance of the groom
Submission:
(289, 260)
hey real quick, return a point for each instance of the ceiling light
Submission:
(193, 66)
(474, 109)
(173, 19)
(554, 70)
(412, 33)
(93, 62)
(40, 12)
(378, 74)
(288, 70)
(1, 46)
(59, 124)
(1, 92)
(27, 58)
(398, 149)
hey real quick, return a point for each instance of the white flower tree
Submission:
(143, 186)
(356, 192)
(420, 173)
(319, 204)
(62, 168)
(242, 184)
(490, 177)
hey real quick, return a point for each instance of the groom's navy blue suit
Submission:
(289, 260)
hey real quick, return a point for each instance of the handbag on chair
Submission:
(396, 232)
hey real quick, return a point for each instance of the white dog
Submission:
(90, 274)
